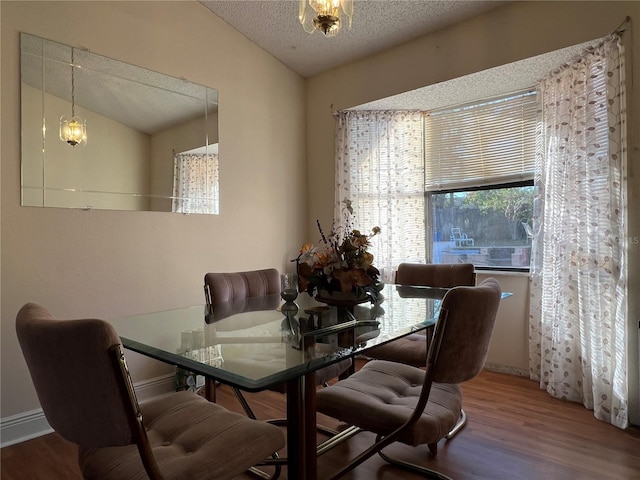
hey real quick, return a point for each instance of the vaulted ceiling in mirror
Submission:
(145, 109)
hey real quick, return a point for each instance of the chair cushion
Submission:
(191, 438)
(382, 395)
(410, 350)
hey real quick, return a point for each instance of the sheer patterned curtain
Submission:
(195, 183)
(380, 168)
(578, 317)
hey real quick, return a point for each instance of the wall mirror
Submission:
(151, 139)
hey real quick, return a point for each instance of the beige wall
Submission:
(508, 351)
(109, 263)
(516, 31)
(119, 163)
(104, 263)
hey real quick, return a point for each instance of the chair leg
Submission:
(424, 471)
(210, 389)
(382, 442)
(243, 401)
(433, 448)
(261, 474)
(462, 421)
(276, 463)
(336, 438)
(282, 422)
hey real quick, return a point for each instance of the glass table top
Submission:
(256, 342)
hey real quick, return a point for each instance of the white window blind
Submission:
(489, 142)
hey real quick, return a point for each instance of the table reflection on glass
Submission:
(252, 345)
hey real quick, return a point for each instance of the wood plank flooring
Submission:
(515, 431)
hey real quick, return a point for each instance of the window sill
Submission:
(497, 272)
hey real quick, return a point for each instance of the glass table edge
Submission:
(291, 373)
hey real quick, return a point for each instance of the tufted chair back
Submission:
(441, 275)
(464, 342)
(230, 287)
(84, 387)
(74, 376)
(231, 292)
(412, 349)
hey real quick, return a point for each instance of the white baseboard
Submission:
(23, 427)
(28, 425)
(153, 387)
(494, 367)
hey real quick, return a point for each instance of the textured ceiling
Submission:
(274, 26)
(377, 26)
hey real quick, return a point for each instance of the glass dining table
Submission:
(260, 342)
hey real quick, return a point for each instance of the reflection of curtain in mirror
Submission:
(195, 183)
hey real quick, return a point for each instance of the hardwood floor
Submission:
(515, 431)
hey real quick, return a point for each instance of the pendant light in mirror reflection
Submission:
(324, 15)
(73, 130)
(138, 119)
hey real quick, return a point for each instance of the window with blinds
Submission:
(492, 142)
(479, 168)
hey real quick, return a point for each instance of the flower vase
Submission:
(341, 299)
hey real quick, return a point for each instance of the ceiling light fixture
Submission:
(324, 15)
(74, 130)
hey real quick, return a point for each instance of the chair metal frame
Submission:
(127, 392)
(446, 282)
(122, 385)
(210, 387)
(134, 415)
(140, 434)
(384, 441)
(210, 394)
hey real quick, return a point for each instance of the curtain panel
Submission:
(195, 183)
(578, 314)
(380, 168)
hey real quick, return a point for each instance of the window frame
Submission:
(429, 231)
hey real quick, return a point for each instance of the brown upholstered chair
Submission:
(412, 349)
(81, 378)
(236, 286)
(401, 403)
(229, 287)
